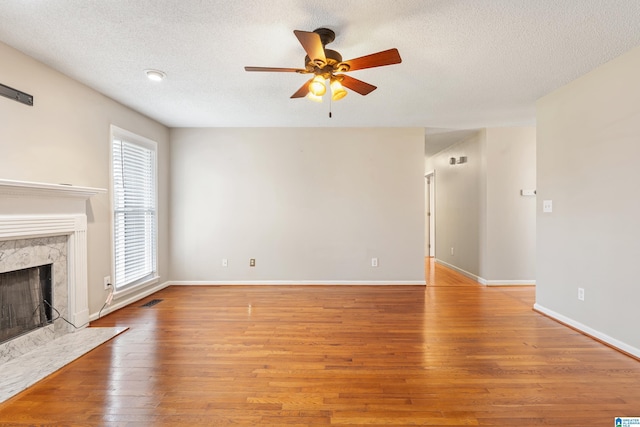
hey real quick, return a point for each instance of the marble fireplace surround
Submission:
(35, 212)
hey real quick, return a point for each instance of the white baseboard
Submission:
(509, 282)
(298, 282)
(484, 281)
(130, 300)
(461, 271)
(81, 318)
(589, 331)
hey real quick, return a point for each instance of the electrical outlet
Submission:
(374, 262)
(252, 262)
(225, 262)
(581, 294)
(547, 206)
(452, 251)
(106, 282)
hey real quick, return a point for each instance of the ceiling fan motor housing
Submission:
(334, 64)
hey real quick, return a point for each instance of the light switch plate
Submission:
(547, 206)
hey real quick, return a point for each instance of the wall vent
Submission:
(16, 95)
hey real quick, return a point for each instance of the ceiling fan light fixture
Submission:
(155, 75)
(337, 90)
(317, 86)
(314, 98)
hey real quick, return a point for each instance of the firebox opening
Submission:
(26, 301)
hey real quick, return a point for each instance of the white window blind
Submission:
(134, 210)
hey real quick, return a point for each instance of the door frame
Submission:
(430, 212)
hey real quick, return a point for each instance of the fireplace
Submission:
(40, 225)
(26, 301)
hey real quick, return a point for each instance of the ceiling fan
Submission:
(326, 64)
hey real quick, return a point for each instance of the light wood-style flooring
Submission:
(449, 354)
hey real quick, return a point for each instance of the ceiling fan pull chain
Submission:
(329, 107)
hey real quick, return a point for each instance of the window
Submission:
(134, 209)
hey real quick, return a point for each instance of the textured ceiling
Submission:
(466, 63)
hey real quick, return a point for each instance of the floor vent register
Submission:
(151, 303)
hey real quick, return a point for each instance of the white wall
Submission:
(479, 210)
(588, 151)
(310, 205)
(64, 138)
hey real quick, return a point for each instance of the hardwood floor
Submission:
(439, 275)
(341, 355)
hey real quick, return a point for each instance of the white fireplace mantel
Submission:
(32, 209)
(40, 189)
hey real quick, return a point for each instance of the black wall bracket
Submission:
(16, 95)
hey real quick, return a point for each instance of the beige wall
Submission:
(510, 250)
(64, 138)
(588, 153)
(310, 205)
(479, 210)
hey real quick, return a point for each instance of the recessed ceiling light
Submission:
(155, 75)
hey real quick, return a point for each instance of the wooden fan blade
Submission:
(363, 88)
(312, 45)
(386, 57)
(303, 91)
(277, 70)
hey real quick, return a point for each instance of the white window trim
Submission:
(119, 133)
